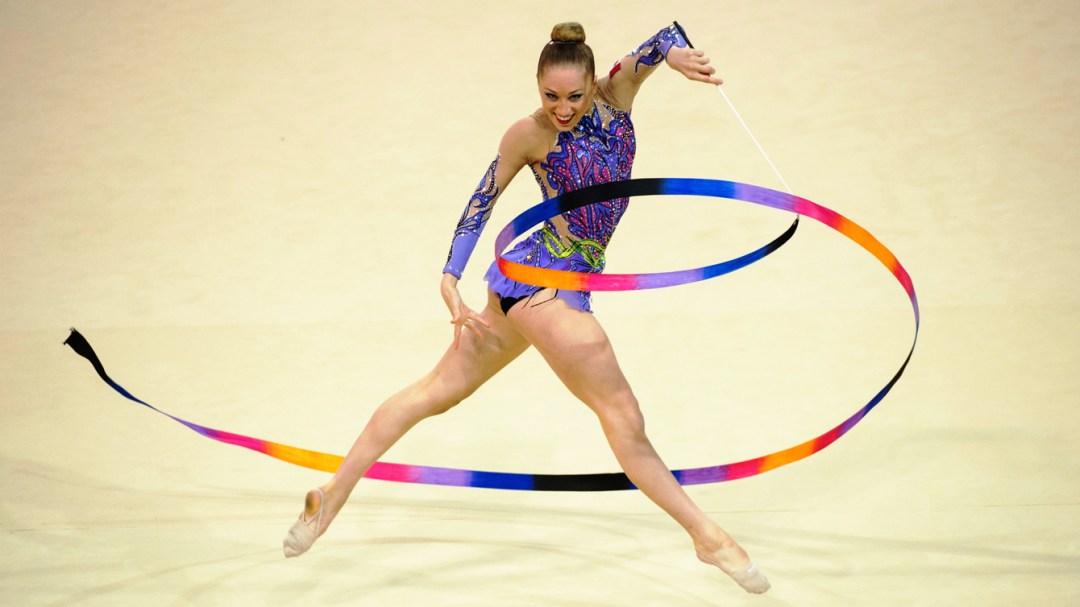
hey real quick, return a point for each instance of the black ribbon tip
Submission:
(78, 343)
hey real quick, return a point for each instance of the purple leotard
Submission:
(599, 149)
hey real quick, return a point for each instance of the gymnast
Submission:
(581, 135)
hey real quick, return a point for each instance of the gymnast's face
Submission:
(566, 93)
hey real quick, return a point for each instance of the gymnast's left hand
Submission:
(461, 315)
(693, 64)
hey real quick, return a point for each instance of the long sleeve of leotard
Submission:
(630, 71)
(655, 49)
(472, 221)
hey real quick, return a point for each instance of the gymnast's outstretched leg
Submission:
(457, 375)
(577, 349)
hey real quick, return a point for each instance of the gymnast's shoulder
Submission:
(528, 139)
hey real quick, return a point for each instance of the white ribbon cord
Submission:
(754, 139)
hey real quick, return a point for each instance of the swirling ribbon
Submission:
(431, 475)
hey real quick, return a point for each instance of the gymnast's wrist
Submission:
(678, 34)
(460, 251)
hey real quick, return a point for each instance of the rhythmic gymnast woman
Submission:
(581, 135)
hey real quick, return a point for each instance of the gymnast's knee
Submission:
(620, 414)
(443, 393)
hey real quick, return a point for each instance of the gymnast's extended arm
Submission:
(511, 158)
(669, 46)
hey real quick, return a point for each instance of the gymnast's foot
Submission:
(312, 523)
(730, 558)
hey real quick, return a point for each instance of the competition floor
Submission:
(245, 207)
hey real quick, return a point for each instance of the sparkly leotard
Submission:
(598, 150)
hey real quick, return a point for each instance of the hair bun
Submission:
(569, 32)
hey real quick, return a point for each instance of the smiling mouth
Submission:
(564, 121)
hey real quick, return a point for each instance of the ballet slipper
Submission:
(302, 535)
(751, 579)
(748, 576)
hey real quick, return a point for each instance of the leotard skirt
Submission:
(534, 251)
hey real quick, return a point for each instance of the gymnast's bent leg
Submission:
(457, 375)
(575, 346)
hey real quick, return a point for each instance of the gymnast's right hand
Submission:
(460, 314)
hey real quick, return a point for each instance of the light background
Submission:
(245, 206)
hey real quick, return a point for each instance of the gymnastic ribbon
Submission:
(432, 475)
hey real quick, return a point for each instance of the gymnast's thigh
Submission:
(478, 358)
(576, 347)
